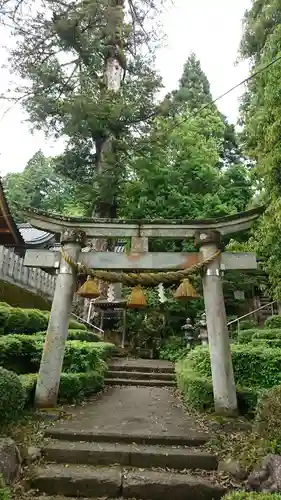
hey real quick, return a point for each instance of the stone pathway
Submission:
(130, 442)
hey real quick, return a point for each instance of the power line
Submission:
(246, 80)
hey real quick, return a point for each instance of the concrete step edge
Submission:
(146, 369)
(66, 434)
(140, 375)
(141, 456)
(113, 482)
(139, 382)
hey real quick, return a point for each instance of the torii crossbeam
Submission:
(74, 234)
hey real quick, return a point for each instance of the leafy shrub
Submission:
(198, 390)
(73, 386)
(174, 349)
(245, 336)
(4, 491)
(4, 314)
(36, 321)
(266, 333)
(84, 335)
(22, 354)
(243, 495)
(247, 324)
(268, 422)
(12, 395)
(273, 322)
(17, 320)
(75, 325)
(266, 342)
(253, 366)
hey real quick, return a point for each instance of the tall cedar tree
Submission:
(261, 117)
(88, 75)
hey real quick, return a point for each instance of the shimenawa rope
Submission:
(145, 279)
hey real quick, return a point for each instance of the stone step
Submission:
(91, 482)
(192, 439)
(141, 367)
(129, 455)
(116, 374)
(146, 383)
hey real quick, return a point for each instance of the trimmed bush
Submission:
(22, 354)
(75, 325)
(243, 495)
(83, 335)
(198, 391)
(73, 386)
(12, 395)
(253, 366)
(268, 422)
(273, 322)
(174, 349)
(36, 321)
(274, 333)
(17, 320)
(266, 342)
(4, 314)
(245, 336)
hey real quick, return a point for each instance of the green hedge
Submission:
(254, 366)
(12, 395)
(266, 333)
(85, 335)
(273, 322)
(17, 320)
(73, 386)
(243, 495)
(266, 342)
(22, 354)
(198, 391)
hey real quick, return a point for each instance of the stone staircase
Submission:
(130, 442)
(149, 374)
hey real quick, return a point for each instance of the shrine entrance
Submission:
(147, 267)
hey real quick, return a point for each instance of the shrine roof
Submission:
(9, 233)
(34, 237)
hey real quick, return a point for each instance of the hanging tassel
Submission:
(137, 298)
(90, 289)
(186, 291)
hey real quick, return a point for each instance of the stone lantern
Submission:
(203, 335)
(188, 330)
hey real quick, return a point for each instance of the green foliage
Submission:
(173, 349)
(5, 493)
(74, 387)
(273, 322)
(260, 115)
(253, 366)
(12, 395)
(273, 334)
(75, 325)
(83, 335)
(22, 354)
(268, 414)
(243, 495)
(247, 324)
(245, 336)
(17, 320)
(197, 390)
(39, 187)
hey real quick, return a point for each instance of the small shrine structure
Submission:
(166, 267)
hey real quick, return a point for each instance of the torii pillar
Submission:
(219, 344)
(47, 387)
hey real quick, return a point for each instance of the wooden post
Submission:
(52, 358)
(219, 345)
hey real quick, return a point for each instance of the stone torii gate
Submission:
(74, 234)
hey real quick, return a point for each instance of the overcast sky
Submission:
(211, 29)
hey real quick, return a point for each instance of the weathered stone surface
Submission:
(33, 453)
(138, 382)
(266, 477)
(78, 480)
(10, 460)
(150, 415)
(128, 455)
(233, 467)
(154, 485)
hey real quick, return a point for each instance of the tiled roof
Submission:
(34, 236)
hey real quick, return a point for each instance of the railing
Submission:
(87, 323)
(33, 279)
(237, 320)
